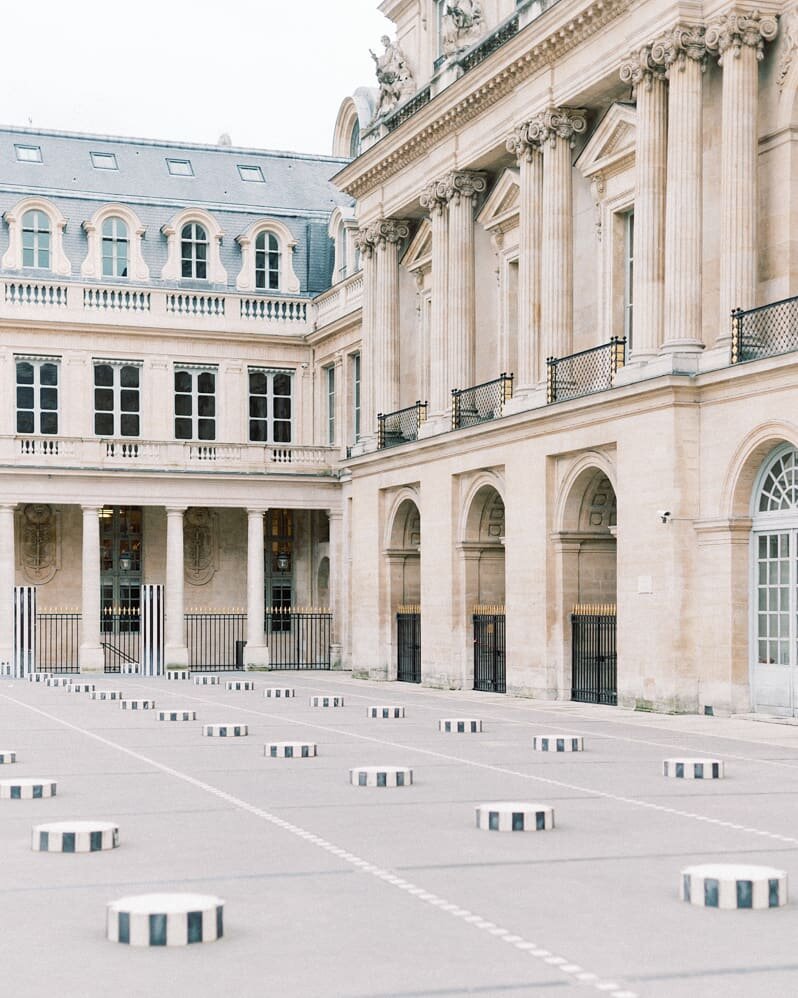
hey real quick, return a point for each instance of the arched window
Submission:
(115, 246)
(36, 236)
(354, 140)
(194, 251)
(267, 262)
(340, 253)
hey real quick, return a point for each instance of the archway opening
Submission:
(484, 590)
(404, 568)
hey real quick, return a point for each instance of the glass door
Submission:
(120, 568)
(775, 627)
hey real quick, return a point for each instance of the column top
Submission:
(175, 510)
(730, 32)
(254, 511)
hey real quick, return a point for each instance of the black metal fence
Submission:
(408, 109)
(585, 372)
(593, 654)
(490, 669)
(400, 427)
(408, 644)
(120, 629)
(58, 640)
(493, 42)
(298, 637)
(214, 639)
(765, 331)
(481, 403)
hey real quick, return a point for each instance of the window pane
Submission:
(257, 430)
(282, 433)
(206, 383)
(183, 429)
(24, 422)
(258, 407)
(202, 270)
(129, 377)
(182, 381)
(129, 425)
(129, 400)
(104, 424)
(104, 399)
(257, 383)
(103, 375)
(282, 384)
(183, 405)
(282, 408)
(206, 405)
(48, 374)
(206, 429)
(49, 422)
(24, 398)
(24, 373)
(48, 398)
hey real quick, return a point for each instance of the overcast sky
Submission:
(272, 73)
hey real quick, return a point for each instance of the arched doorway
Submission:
(774, 593)
(484, 588)
(404, 567)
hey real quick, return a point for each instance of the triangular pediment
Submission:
(612, 142)
(501, 206)
(419, 252)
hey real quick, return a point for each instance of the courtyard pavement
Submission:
(334, 890)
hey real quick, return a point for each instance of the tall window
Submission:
(628, 275)
(37, 396)
(194, 251)
(117, 400)
(195, 404)
(340, 250)
(115, 248)
(36, 236)
(354, 140)
(267, 262)
(330, 372)
(356, 396)
(270, 406)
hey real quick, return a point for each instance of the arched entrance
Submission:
(774, 592)
(404, 568)
(484, 588)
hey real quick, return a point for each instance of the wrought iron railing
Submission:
(594, 670)
(214, 638)
(765, 331)
(400, 427)
(481, 403)
(58, 640)
(493, 42)
(298, 637)
(408, 109)
(408, 643)
(120, 629)
(585, 372)
(490, 670)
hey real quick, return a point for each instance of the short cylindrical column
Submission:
(460, 725)
(693, 769)
(225, 730)
(7, 757)
(206, 680)
(239, 685)
(176, 649)
(81, 688)
(279, 692)
(7, 572)
(381, 776)
(256, 654)
(385, 712)
(91, 655)
(509, 816)
(27, 789)
(321, 701)
(75, 836)
(165, 920)
(107, 695)
(290, 750)
(137, 704)
(558, 743)
(463, 189)
(175, 715)
(731, 885)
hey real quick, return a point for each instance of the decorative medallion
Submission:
(200, 545)
(39, 552)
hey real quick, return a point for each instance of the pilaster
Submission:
(364, 242)
(91, 655)
(387, 234)
(256, 654)
(176, 650)
(433, 199)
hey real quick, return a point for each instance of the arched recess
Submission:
(403, 564)
(354, 116)
(323, 582)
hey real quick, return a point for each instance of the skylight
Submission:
(28, 154)
(180, 167)
(104, 161)
(253, 174)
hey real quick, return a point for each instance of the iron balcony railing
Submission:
(765, 331)
(481, 403)
(400, 427)
(585, 372)
(408, 109)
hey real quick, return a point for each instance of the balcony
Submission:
(91, 304)
(765, 331)
(131, 454)
(584, 373)
(342, 298)
(481, 403)
(400, 427)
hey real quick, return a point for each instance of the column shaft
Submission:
(176, 650)
(461, 189)
(439, 381)
(336, 585)
(556, 269)
(256, 653)
(91, 653)
(386, 344)
(7, 575)
(368, 418)
(529, 372)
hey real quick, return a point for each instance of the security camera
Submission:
(664, 515)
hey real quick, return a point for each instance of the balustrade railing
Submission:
(277, 309)
(400, 427)
(585, 372)
(36, 293)
(192, 304)
(764, 331)
(116, 299)
(481, 403)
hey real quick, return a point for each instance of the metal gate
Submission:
(593, 656)
(490, 673)
(408, 643)
(298, 637)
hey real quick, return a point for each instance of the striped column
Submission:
(7, 571)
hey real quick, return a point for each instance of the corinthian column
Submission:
(651, 150)
(530, 164)
(433, 199)
(683, 51)
(364, 243)
(555, 131)
(388, 234)
(739, 40)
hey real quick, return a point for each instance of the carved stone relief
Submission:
(200, 545)
(39, 542)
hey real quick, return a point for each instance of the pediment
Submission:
(419, 252)
(502, 205)
(613, 141)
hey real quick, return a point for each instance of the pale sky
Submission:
(272, 73)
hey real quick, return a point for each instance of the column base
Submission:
(176, 655)
(256, 657)
(91, 658)
(435, 425)
(335, 657)
(524, 400)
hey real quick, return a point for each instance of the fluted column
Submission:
(388, 234)
(462, 189)
(556, 130)
(683, 51)
(255, 652)
(364, 242)
(433, 199)
(651, 152)
(739, 41)
(176, 649)
(7, 573)
(530, 163)
(91, 654)
(336, 584)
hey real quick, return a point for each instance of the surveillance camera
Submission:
(664, 515)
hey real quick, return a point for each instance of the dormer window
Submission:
(115, 247)
(266, 258)
(194, 251)
(104, 161)
(36, 234)
(28, 154)
(267, 262)
(180, 167)
(252, 174)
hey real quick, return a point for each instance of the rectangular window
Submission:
(330, 405)
(628, 276)
(117, 399)
(252, 174)
(270, 406)
(28, 154)
(356, 396)
(37, 395)
(195, 403)
(104, 160)
(180, 167)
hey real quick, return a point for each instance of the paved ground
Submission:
(333, 890)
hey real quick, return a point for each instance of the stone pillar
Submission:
(461, 190)
(739, 40)
(368, 419)
(529, 372)
(7, 578)
(256, 654)
(555, 131)
(388, 234)
(337, 583)
(176, 650)
(684, 53)
(651, 154)
(434, 200)
(91, 654)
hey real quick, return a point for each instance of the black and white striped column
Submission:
(178, 675)
(509, 816)
(381, 776)
(290, 750)
(279, 693)
(205, 679)
(27, 789)
(460, 725)
(165, 920)
(385, 712)
(176, 715)
(81, 688)
(693, 769)
(75, 836)
(107, 695)
(733, 885)
(137, 704)
(558, 743)
(225, 730)
(7, 757)
(326, 701)
(239, 685)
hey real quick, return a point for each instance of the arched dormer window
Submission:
(354, 140)
(342, 230)
(35, 237)
(114, 234)
(194, 239)
(267, 250)
(354, 116)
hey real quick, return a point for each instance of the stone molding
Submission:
(521, 145)
(433, 198)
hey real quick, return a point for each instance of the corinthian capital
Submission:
(464, 183)
(729, 33)
(390, 230)
(680, 44)
(433, 198)
(364, 240)
(521, 145)
(642, 67)
(556, 123)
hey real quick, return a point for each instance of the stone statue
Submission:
(393, 76)
(462, 25)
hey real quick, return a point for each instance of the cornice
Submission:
(459, 103)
